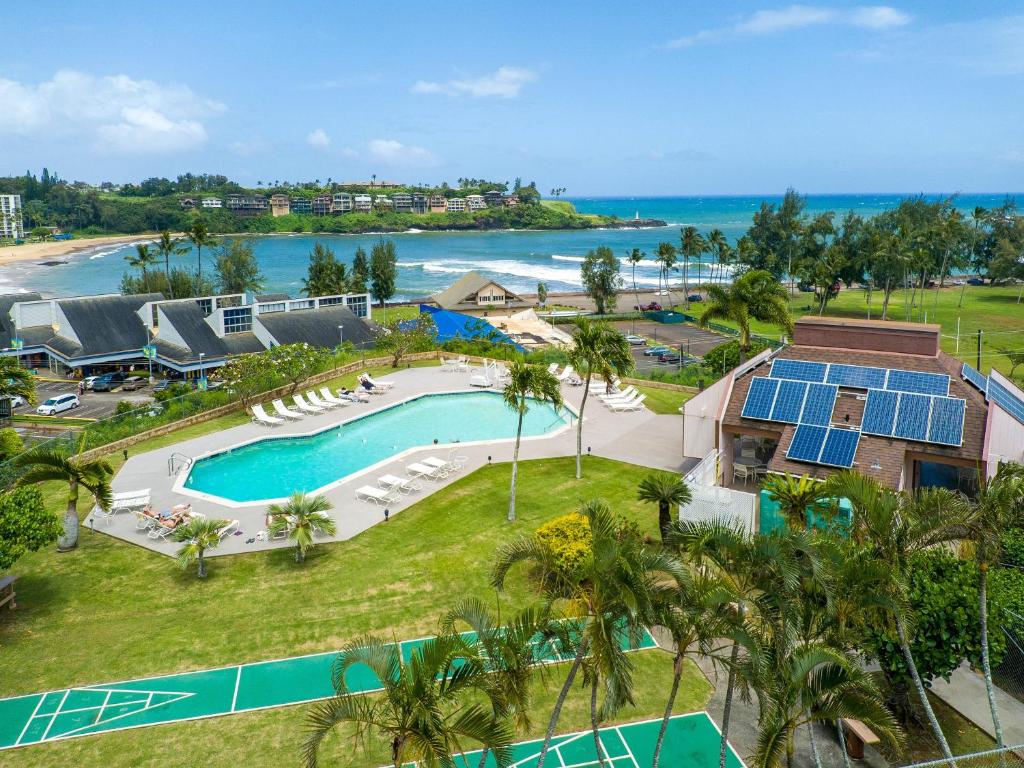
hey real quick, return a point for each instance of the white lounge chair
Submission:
(627, 394)
(553, 369)
(395, 483)
(385, 385)
(442, 466)
(283, 410)
(328, 397)
(126, 501)
(376, 495)
(458, 462)
(416, 469)
(302, 405)
(158, 531)
(566, 374)
(315, 400)
(481, 379)
(260, 416)
(143, 522)
(600, 386)
(637, 404)
(228, 529)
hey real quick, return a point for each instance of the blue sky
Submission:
(667, 98)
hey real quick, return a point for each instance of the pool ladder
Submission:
(177, 462)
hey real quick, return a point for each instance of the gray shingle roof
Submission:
(108, 324)
(6, 324)
(188, 320)
(318, 327)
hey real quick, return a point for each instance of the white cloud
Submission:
(349, 153)
(391, 152)
(249, 147)
(505, 83)
(116, 113)
(318, 139)
(775, 20)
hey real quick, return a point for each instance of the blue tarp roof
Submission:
(452, 325)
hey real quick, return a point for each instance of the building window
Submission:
(330, 301)
(357, 304)
(277, 306)
(301, 304)
(206, 305)
(238, 320)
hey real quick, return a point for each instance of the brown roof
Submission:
(457, 296)
(886, 452)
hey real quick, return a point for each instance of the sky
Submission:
(667, 98)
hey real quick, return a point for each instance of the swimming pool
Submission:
(273, 468)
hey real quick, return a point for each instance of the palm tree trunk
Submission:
(842, 743)
(557, 711)
(637, 294)
(677, 673)
(599, 750)
(908, 657)
(69, 540)
(201, 564)
(664, 518)
(579, 427)
(515, 464)
(727, 710)
(986, 663)
(814, 746)
(686, 282)
(885, 300)
(300, 556)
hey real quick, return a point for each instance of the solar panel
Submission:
(798, 370)
(1006, 399)
(808, 441)
(974, 377)
(918, 382)
(840, 447)
(947, 423)
(858, 376)
(821, 399)
(879, 412)
(758, 404)
(789, 401)
(912, 417)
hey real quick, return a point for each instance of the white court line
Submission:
(29, 721)
(103, 706)
(238, 680)
(54, 715)
(95, 706)
(626, 745)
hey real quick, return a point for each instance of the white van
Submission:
(58, 404)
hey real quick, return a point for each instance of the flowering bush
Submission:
(569, 540)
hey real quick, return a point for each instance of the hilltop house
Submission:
(212, 202)
(322, 205)
(456, 205)
(476, 294)
(402, 202)
(363, 203)
(420, 203)
(475, 202)
(438, 204)
(341, 202)
(247, 205)
(280, 205)
(301, 205)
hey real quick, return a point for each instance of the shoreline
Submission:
(53, 250)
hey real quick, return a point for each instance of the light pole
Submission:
(341, 335)
(201, 354)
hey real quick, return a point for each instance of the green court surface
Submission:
(691, 741)
(81, 711)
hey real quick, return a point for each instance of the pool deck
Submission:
(642, 438)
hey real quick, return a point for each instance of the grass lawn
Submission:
(52, 421)
(964, 737)
(664, 401)
(563, 206)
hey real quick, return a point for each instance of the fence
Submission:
(1009, 675)
(710, 501)
(1007, 757)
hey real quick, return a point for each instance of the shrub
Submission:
(568, 539)
(1013, 547)
(124, 406)
(726, 356)
(25, 524)
(10, 444)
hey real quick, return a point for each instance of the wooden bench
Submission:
(857, 735)
(7, 592)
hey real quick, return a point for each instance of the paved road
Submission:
(95, 405)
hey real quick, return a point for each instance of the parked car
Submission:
(669, 357)
(108, 382)
(975, 281)
(58, 404)
(133, 382)
(88, 381)
(17, 401)
(162, 385)
(656, 350)
(652, 307)
(635, 340)
(694, 298)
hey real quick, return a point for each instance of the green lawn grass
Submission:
(563, 206)
(665, 401)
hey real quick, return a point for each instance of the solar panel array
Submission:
(975, 378)
(910, 416)
(995, 392)
(831, 446)
(789, 401)
(861, 376)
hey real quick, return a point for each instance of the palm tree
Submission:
(142, 260)
(667, 491)
(16, 381)
(168, 246)
(301, 517)
(691, 244)
(634, 257)
(421, 709)
(895, 525)
(596, 348)
(525, 381)
(799, 499)
(198, 534)
(608, 598)
(999, 505)
(666, 258)
(510, 655)
(55, 464)
(199, 235)
(757, 295)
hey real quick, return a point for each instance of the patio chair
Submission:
(458, 462)
(482, 379)
(448, 365)
(636, 404)
(566, 374)
(302, 405)
(143, 521)
(417, 469)
(161, 530)
(402, 485)
(98, 513)
(315, 400)
(260, 416)
(553, 369)
(743, 472)
(126, 501)
(283, 410)
(627, 394)
(444, 467)
(228, 529)
(385, 385)
(327, 396)
(377, 495)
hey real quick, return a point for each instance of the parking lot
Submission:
(685, 338)
(95, 405)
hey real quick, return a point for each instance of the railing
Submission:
(178, 462)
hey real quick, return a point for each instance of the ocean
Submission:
(430, 261)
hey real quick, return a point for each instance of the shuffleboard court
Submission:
(82, 711)
(691, 741)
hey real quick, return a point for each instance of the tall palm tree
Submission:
(1000, 504)
(200, 236)
(526, 381)
(667, 491)
(799, 499)
(895, 525)
(142, 261)
(166, 247)
(422, 709)
(16, 381)
(198, 534)
(757, 295)
(718, 244)
(608, 598)
(56, 465)
(634, 257)
(691, 244)
(300, 518)
(666, 258)
(596, 348)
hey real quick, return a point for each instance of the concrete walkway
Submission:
(965, 692)
(641, 438)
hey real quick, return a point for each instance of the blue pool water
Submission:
(276, 467)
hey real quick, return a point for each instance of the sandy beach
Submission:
(52, 250)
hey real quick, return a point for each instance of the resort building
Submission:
(187, 203)
(322, 205)
(475, 294)
(420, 203)
(301, 205)
(475, 202)
(382, 201)
(875, 396)
(402, 202)
(247, 205)
(456, 205)
(510, 201)
(363, 203)
(493, 198)
(212, 202)
(341, 202)
(438, 204)
(11, 223)
(93, 334)
(280, 205)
